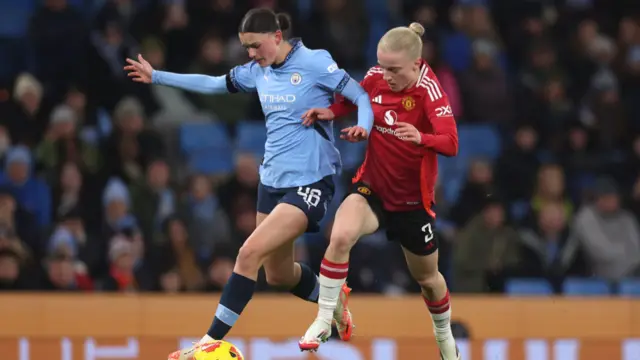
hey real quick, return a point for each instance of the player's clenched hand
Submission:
(354, 134)
(408, 132)
(139, 70)
(310, 116)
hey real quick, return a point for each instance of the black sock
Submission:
(308, 288)
(235, 296)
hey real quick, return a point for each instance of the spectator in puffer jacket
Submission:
(609, 235)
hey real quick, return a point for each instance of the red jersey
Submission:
(402, 173)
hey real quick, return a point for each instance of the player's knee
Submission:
(249, 257)
(343, 240)
(430, 280)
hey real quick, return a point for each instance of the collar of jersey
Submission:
(296, 43)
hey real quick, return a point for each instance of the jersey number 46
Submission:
(310, 196)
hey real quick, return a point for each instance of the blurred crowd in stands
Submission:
(109, 185)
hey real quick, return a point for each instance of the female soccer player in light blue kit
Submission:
(296, 175)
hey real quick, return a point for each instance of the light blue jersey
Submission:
(295, 155)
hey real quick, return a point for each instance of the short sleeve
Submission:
(242, 78)
(327, 72)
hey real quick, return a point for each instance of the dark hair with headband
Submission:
(264, 21)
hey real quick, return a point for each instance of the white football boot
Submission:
(320, 329)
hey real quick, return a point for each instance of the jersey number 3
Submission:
(310, 196)
(428, 232)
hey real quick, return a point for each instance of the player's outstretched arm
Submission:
(336, 80)
(358, 96)
(142, 71)
(343, 107)
(338, 109)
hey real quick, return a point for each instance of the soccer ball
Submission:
(217, 350)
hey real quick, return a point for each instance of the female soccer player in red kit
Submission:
(394, 187)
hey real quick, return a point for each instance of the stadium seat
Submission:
(448, 174)
(476, 141)
(519, 210)
(7, 68)
(479, 141)
(629, 287)
(251, 136)
(212, 160)
(528, 287)
(546, 156)
(15, 17)
(457, 51)
(452, 188)
(201, 136)
(579, 184)
(379, 24)
(446, 166)
(585, 287)
(305, 8)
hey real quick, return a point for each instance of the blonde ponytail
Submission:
(417, 28)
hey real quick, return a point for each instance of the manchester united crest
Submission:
(408, 103)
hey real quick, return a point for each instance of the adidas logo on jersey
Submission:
(377, 99)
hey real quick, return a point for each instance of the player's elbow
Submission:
(218, 85)
(452, 147)
(448, 153)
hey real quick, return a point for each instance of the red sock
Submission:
(333, 270)
(441, 317)
(440, 306)
(332, 277)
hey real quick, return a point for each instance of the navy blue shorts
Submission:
(312, 199)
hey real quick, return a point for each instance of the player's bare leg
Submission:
(280, 269)
(435, 293)
(353, 219)
(283, 272)
(273, 232)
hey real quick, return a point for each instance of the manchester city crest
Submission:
(296, 79)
